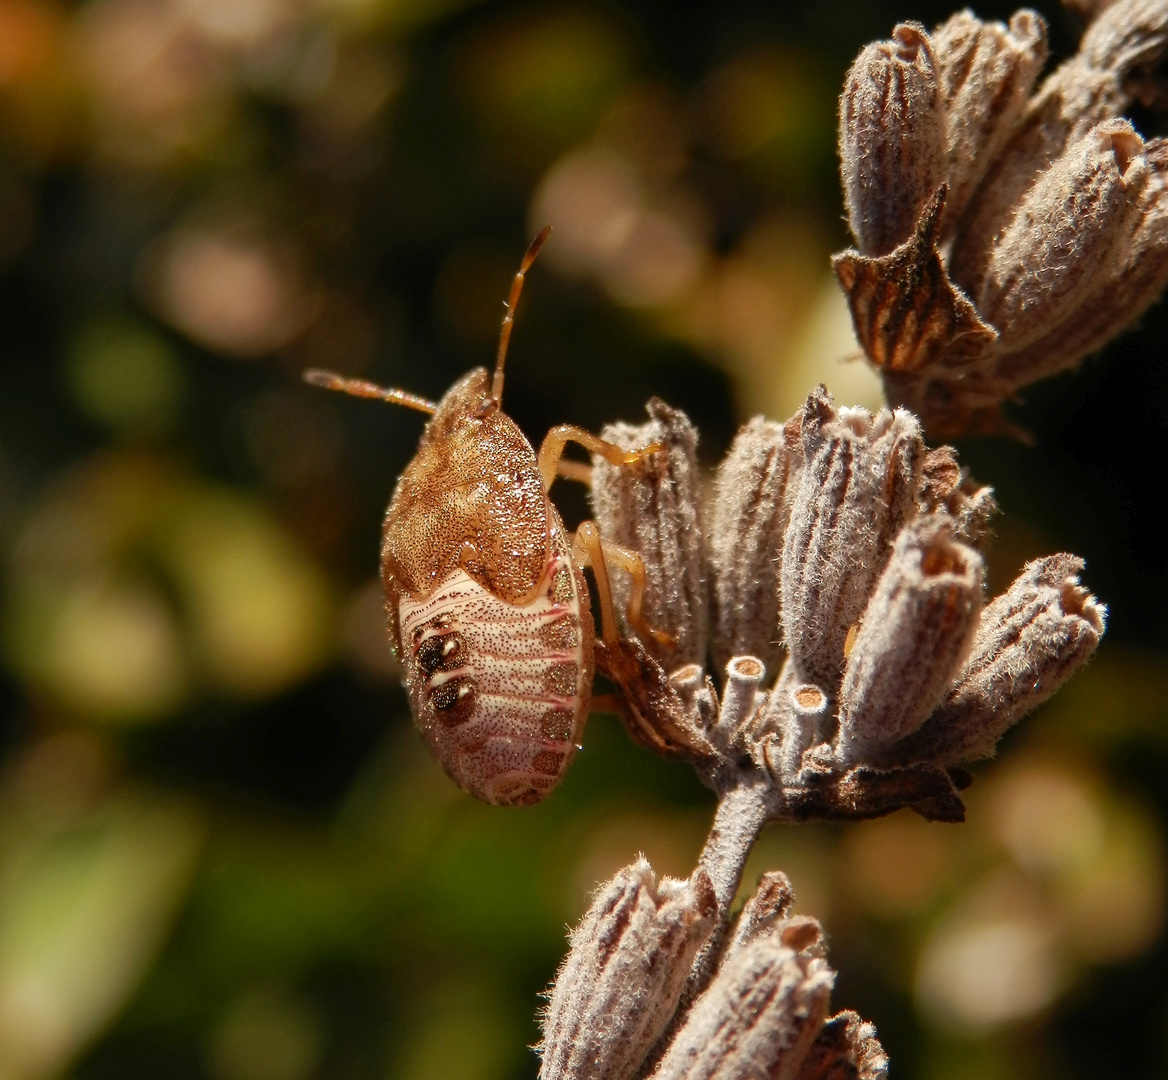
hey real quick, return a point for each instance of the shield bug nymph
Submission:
(488, 609)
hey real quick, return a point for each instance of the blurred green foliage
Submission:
(224, 853)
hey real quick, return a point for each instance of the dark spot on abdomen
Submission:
(442, 652)
(454, 700)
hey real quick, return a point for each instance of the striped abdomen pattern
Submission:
(501, 691)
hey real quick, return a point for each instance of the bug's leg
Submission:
(591, 549)
(586, 551)
(580, 471)
(552, 449)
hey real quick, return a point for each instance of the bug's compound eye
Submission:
(454, 700)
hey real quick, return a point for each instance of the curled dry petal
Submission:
(747, 518)
(915, 634)
(986, 71)
(846, 1048)
(622, 979)
(892, 138)
(653, 508)
(856, 489)
(1030, 640)
(758, 1018)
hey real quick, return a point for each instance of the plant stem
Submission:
(742, 812)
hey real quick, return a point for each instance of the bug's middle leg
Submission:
(552, 450)
(589, 548)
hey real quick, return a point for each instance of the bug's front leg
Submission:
(552, 450)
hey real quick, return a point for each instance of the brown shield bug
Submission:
(488, 610)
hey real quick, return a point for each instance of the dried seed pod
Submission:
(622, 979)
(856, 490)
(1030, 640)
(1069, 234)
(915, 634)
(746, 521)
(1120, 292)
(1094, 85)
(986, 71)
(758, 1018)
(892, 138)
(654, 509)
(740, 699)
(800, 713)
(1127, 38)
(846, 1048)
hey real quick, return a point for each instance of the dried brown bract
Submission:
(1044, 235)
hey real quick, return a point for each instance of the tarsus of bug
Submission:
(509, 318)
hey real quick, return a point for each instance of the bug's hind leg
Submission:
(589, 548)
(552, 450)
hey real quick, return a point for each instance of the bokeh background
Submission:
(224, 852)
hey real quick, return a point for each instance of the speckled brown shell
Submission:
(488, 614)
(472, 496)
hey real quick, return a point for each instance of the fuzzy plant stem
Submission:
(743, 810)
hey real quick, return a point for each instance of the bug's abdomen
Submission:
(501, 691)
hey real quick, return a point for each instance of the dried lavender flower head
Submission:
(841, 535)
(621, 983)
(616, 1010)
(1043, 234)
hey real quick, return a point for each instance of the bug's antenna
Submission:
(330, 380)
(512, 300)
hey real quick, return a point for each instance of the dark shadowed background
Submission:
(224, 852)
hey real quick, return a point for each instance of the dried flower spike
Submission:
(892, 679)
(620, 985)
(1045, 233)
